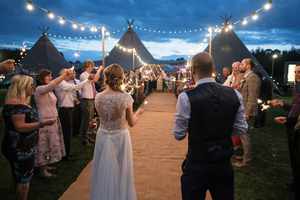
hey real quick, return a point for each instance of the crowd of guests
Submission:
(42, 114)
(249, 85)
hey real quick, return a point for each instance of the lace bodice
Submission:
(111, 108)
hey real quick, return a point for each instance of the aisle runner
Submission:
(157, 155)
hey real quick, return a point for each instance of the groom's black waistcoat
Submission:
(213, 112)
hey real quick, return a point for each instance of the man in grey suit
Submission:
(250, 90)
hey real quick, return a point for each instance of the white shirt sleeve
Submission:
(72, 87)
(182, 116)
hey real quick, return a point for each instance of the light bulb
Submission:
(255, 16)
(29, 6)
(93, 29)
(275, 56)
(244, 22)
(268, 6)
(74, 26)
(51, 15)
(62, 21)
(82, 28)
(76, 54)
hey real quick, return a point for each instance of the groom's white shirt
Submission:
(183, 113)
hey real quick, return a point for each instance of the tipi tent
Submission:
(129, 40)
(228, 48)
(44, 55)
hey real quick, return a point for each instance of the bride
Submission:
(112, 171)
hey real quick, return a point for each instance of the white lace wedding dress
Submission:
(112, 171)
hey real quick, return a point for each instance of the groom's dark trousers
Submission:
(197, 178)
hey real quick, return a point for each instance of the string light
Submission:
(22, 52)
(131, 50)
(29, 5)
(74, 26)
(244, 22)
(268, 5)
(51, 15)
(255, 16)
(93, 29)
(76, 54)
(275, 56)
(62, 21)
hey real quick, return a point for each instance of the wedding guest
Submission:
(7, 66)
(208, 114)
(21, 132)
(292, 123)
(225, 73)
(234, 79)
(250, 90)
(88, 93)
(66, 103)
(51, 148)
(160, 83)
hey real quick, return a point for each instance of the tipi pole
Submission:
(103, 46)
(210, 42)
(133, 54)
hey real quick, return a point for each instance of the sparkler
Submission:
(264, 105)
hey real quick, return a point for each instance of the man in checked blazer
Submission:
(250, 90)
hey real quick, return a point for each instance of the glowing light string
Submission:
(132, 51)
(30, 6)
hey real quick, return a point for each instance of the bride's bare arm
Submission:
(132, 117)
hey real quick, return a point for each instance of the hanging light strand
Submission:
(132, 50)
(30, 6)
(247, 19)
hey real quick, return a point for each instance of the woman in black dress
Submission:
(21, 132)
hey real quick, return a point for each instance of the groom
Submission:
(209, 113)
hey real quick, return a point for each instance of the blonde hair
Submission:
(20, 84)
(114, 76)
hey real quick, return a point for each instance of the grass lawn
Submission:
(265, 179)
(269, 172)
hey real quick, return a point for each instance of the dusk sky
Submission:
(277, 28)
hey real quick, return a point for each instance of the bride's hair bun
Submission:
(114, 76)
